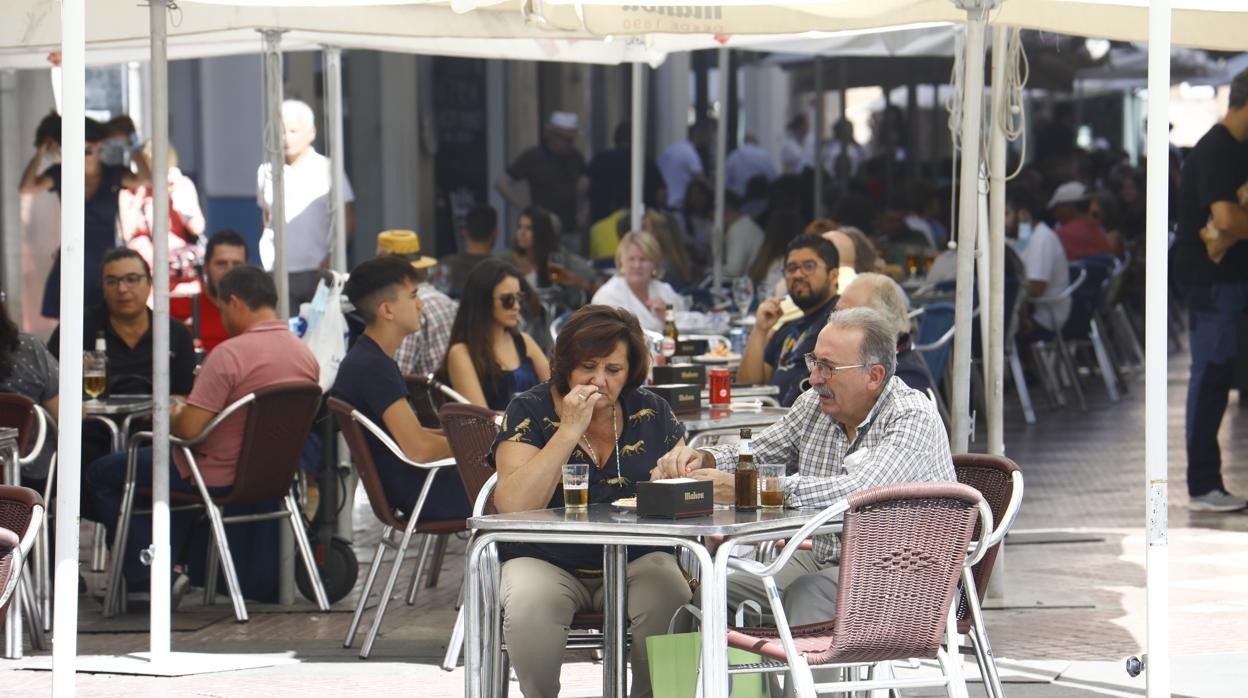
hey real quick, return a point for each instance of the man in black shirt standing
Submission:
(1217, 292)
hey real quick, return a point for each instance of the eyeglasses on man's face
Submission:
(827, 370)
(130, 280)
(807, 267)
(509, 300)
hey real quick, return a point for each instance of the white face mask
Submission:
(1024, 232)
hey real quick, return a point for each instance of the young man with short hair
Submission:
(385, 293)
(480, 229)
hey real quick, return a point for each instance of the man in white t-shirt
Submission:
(308, 209)
(798, 151)
(1048, 272)
(680, 164)
(748, 161)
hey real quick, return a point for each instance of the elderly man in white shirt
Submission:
(1044, 258)
(308, 208)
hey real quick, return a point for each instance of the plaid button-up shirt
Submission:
(901, 440)
(421, 352)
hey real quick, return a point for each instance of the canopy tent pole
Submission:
(337, 173)
(820, 117)
(69, 436)
(1156, 300)
(161, 562)
(994, 358)
(637, 149)
(972, 114)
(274, 138)
(10, 198)
(721, 147)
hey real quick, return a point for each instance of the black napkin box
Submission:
(694, 374)
(691, 347)
(682, 397)
(674, 499)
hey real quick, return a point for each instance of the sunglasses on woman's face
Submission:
(509, 300)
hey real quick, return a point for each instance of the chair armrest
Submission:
(1011, 511)
(944, 339)
(980, 547)
(42, 420)
(446, 390)
(31, 532)
(478, 507)
(216, 422)
(1070, 290)
(791, 546)
(390, 443)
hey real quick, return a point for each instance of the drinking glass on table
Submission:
(743, 293)
(94, 375)
(771, 485)
(576, 486)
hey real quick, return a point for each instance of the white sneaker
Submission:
(1217, 500)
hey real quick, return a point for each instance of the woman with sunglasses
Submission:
(490, 358)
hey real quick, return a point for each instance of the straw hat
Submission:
(405, 243)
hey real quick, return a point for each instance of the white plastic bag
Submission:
(326, 333)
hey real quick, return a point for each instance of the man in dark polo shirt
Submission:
(1217, 293)
(810, 272)
(555, 171)
(125, 323)
(384, 292)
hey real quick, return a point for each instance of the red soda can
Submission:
(721, 386)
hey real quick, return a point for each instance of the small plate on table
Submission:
(625, 503)
(717, 358)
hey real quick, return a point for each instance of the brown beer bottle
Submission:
(747, 474)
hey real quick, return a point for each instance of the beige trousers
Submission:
(539, 600)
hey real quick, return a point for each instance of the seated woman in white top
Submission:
(635, 286)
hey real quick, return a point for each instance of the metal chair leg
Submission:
(439, 553)
(380, 613)
(455, 644)
(212, 568)
(113, 593)
(368, 587)
(305, 551)
(1108, 372)
(1020, 385)
(227, 563)
(99, 548)
(30, 604)
(421, 559)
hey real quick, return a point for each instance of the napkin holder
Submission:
(680, 373)
(682, 397)
(675, 498)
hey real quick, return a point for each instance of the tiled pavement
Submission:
(1072, 607)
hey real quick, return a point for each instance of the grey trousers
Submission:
(539, 600)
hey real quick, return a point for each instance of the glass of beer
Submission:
(771, 485)
(94, 377)
(576, 486)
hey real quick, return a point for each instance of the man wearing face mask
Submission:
(1044, 258)
(104, 184)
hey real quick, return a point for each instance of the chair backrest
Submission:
(275, 432)
(18, 509)
(362, 457)
(992, 477)
(935, 323)
(1088, 298)
(470, 430)
(18, 412)
(903, 548)
(10, 555)
(423, 394)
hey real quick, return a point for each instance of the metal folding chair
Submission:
(353, 424)
(21, 518)
(277, 421)
(904, 547)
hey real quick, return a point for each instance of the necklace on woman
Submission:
(619, 480)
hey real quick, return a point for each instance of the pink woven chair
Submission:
(904, 547)
(1000, 482)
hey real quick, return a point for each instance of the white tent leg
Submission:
(274, 137)
(721, 154)
(972, 110)
(69, 439)
(994, 358)
(338, 176)
(1157, 663)
(820, 118)
(161, 562)
(637, 152)
(10, 176)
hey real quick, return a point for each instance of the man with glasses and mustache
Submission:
(859, 426)
(810, 272)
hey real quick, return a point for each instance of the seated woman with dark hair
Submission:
(489, 359)
(28, 369)
(593, 411)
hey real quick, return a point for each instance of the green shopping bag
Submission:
(675, 659)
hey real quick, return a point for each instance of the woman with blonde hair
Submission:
(636, 286)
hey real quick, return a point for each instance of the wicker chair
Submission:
(353, 424)
(33, 422)
(427, 395)
(21, 517)
(277, 422)
(1000, 482)
(903, 551)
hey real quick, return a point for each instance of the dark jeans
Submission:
(1213, 322)
(105, 481)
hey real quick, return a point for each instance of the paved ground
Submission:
(1071, 611)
